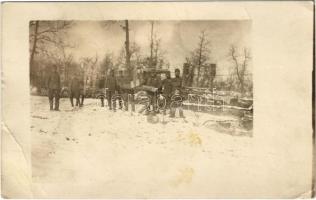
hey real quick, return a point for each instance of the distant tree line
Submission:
(49, 45)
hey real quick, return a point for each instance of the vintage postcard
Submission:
(157, 100)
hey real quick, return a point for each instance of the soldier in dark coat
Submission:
(177, 81)
(176, 99)
(112, 89)
(82, 92)
(75, 90)
(101, 86)
(167, 89)
(53, 86)
(121, 81)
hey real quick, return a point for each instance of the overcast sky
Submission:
(178, 38)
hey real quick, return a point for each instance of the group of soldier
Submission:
(54, 90)
(168, 89)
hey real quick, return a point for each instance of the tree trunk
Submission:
(242, 87)
(156, 55)
(151, 44)
(128, 54)
(33, 52)
(200, 60)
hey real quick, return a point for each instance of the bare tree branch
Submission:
(200, 55)
(240, 67)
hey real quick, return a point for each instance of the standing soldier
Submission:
(167, 89)
(154, 82)
(82, 88)
(120, 82)
(53, 86)
(112, 87)
(75, 90)
(176, 99)
(186, 76)
(177, 80)
(101, 86)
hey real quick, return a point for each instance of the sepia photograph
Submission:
(137, 85)
(157, 100)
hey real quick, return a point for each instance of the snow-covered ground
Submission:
(92, 152)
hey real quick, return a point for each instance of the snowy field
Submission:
(122, 154)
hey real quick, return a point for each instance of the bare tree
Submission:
(240, 62)
(134, 53)
(106, 64)
(156, 58)
(151, 43)
(65, 59)
(59, 54)
(45, 32)
(200, 56)
(35, 35)
(89, 69)
(230, 82)
(125, 27)
(90, 61)
(45, 36)
(159, 54)
(127, 48)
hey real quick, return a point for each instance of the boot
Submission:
(77, 101)
(181, 113)
(102, 102)
(57, 104)
(120, 105)
(72, 102)
(51, 104)
(172, 113)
